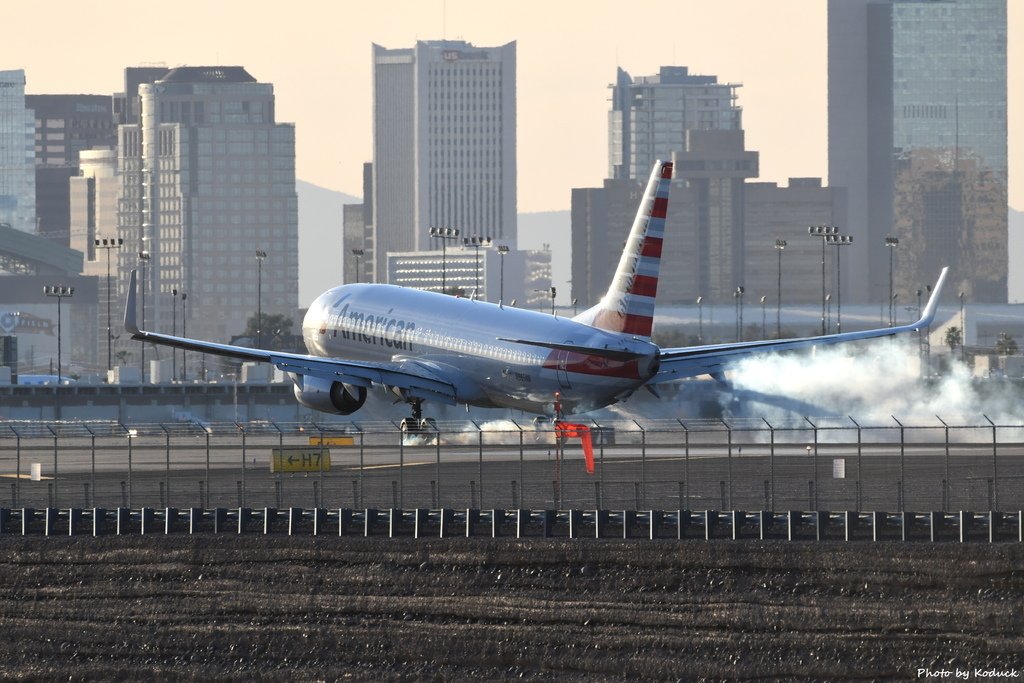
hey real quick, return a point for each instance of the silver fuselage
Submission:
(461, 339)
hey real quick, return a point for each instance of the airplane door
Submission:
(562, 358)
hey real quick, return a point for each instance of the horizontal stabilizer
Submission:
(611, 354)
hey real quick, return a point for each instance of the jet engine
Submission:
(329, 397)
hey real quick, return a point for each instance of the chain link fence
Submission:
(805, 464)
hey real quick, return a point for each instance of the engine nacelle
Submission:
(329, 397)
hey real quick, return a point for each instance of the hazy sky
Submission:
(317, 55)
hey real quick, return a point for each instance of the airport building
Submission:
(207, 180)
(65, 126)
(651, 115)
(17, 154)
(520, 275)
(444, 145)
(917, 135)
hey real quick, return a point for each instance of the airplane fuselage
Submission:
(463, 340)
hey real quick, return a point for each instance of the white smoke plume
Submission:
(874, 382)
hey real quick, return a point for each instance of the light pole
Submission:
(108, 244)
(780, 246)
(822, 231)
(839, 241)
(828, 302)
(444, 234)
(476, 241)
(184, 333)
(963, 331)
(700, 320)
(61, 292)
(143, 259)
(260, 255)
(764, 329)
(739, 307)
(891, 243)
(502, 250)
(358, 253)
(552, 301)
(174, 331)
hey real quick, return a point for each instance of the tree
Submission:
(122, 356)
(275, 333)
(1005, 345)
(954, 338)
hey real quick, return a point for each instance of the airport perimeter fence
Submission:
(741, 464)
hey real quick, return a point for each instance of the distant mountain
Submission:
(1015, 281)
(320, 246)
(553, 228)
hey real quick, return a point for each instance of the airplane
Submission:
(427, 346)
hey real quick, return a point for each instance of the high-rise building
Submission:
(357, 234)
(65, 125)
(651, 115)
(720, 229)
(208, 178)
(17, 154)
(444, 144)
(917, 133)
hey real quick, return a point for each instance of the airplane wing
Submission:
(414, 377)
(678, 363)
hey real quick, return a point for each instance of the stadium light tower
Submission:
(107, 244)
(444, 234)
(780, 246)
(822, 231)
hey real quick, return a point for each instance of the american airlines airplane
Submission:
(426, 346)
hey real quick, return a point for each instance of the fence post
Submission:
(945, 481)
(995, 471)
(436, 489)
(642, 502)
(206, 494)
(859, 470)
(769, 491)
(480, 461)
(903, 445)
(686, 465)
(814, 499)
(242, 486)
(318, 490)
(167, 471)
(729, 429)
(53, 486)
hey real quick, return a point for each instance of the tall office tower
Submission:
(357, 235)
(17, 155)
(444, 144)
(65, 125)
(650, 116)
(207, 179)
(917, 133)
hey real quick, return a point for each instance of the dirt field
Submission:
(279, 608)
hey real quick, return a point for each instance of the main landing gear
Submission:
(417, 424)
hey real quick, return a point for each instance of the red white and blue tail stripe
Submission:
(628, 306)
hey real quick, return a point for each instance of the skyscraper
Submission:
(917, 133)
(208, 178)
(65, 125)
(651, 115)
(444, 144)
(17, 154)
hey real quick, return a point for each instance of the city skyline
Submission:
(320, 63)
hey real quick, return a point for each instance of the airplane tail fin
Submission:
(628, 305)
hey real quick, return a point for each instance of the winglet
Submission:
(933, 301)
(129, 307)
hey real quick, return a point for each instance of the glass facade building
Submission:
(17, 154)
(917, 132)
(651, 115)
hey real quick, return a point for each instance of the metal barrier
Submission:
(805, 464)
(792, 525)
